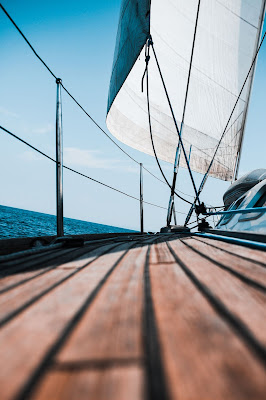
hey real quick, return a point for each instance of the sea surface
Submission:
(15, 222)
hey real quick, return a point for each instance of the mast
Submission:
(251, 80)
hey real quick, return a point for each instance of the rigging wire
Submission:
(176, 126)
(77, 172)
(98, 126)
(26, 40)
(156, 177)
(190, 64)
(177, 157)
(146, 169)
(73, 98)
(189, 71)
(224, 131)
(199, 219)
(146, 72)
(27, 144)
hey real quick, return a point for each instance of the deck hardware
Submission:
(200, 209)
(203, 225)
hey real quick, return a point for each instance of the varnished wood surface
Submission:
(148, 317)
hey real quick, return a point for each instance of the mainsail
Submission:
(227, 38)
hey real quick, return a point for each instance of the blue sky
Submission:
(77, 39)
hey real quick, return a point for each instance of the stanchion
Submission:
(141, 200)
(59, 162)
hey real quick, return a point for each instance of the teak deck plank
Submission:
(247, 269)
(111, 327)
(240, 251)
(147, 319)
(108, 336)
(9, 281)
(26, 291)
(203, 358)
(20, 296)
(33, 267)
(247, 303)
(36, 329)
(119, 383)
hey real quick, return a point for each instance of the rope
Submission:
(79, 173)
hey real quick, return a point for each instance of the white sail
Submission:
(226, 41)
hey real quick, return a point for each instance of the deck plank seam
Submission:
(33, 259)
(48, 268)
(29, 252)
(30, 259)
(63, 258)
(16, 312)
(47, 361)
(37, 250)
(232, 320)
(16, 268)
(155, 376)
(231, 253)
(45, 259)
(250, 282)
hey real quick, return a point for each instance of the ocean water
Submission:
(15, 222)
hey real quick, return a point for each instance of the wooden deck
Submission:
(146, 317)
